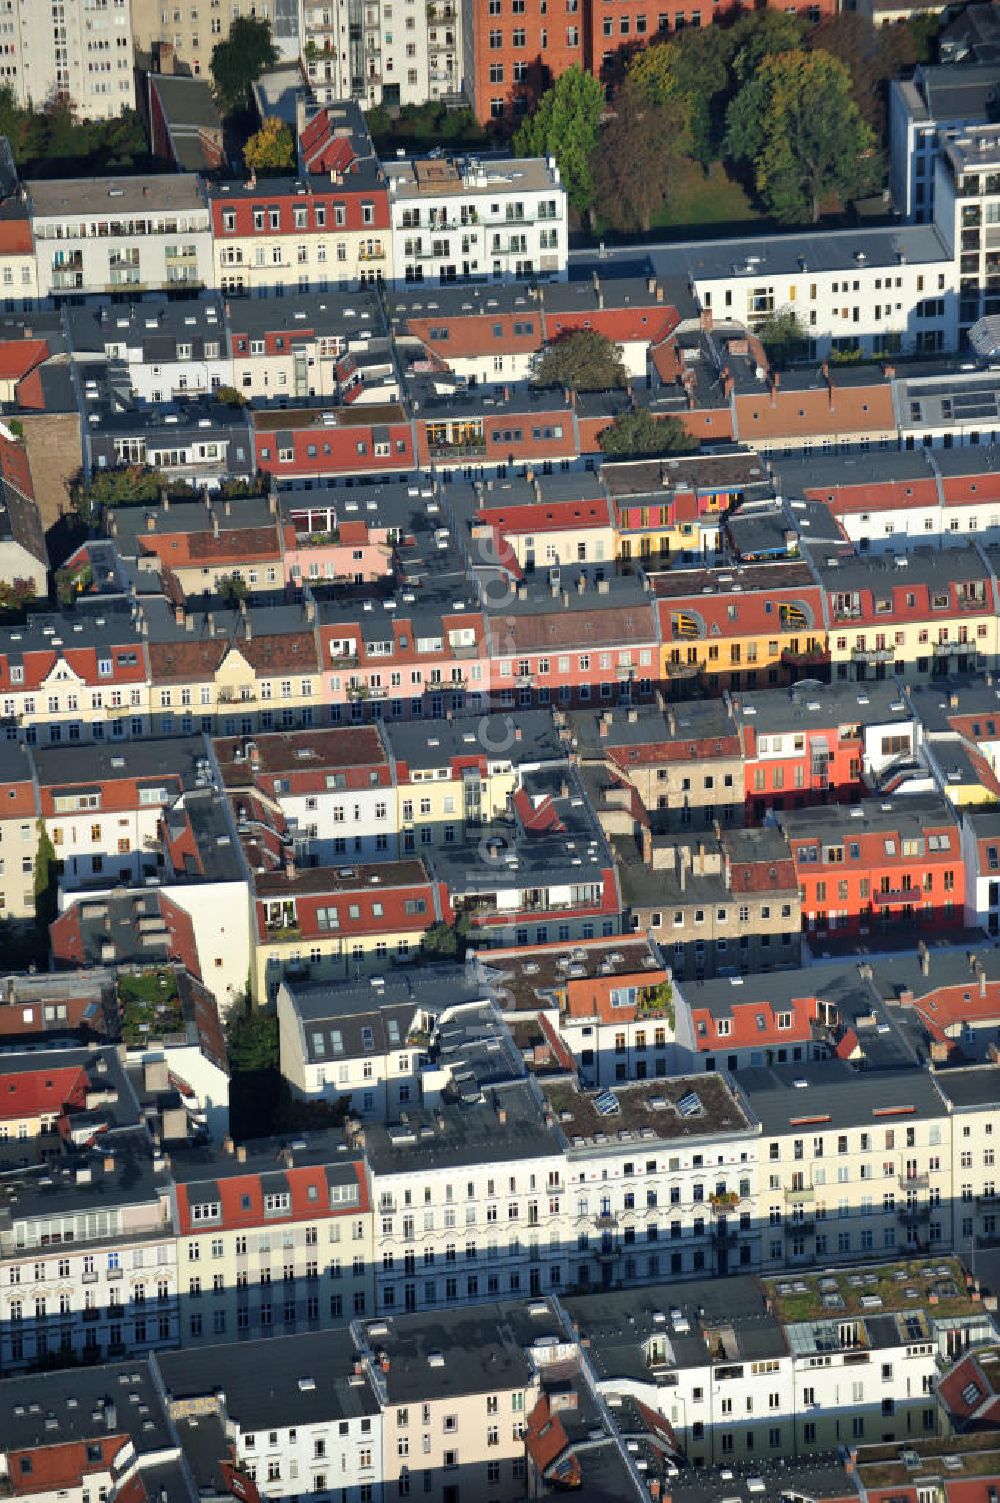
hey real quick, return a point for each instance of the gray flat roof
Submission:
(266, 1383)
(92, 196)
(481, 1350)
(833, 1095)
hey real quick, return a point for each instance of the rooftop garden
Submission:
(149, 1005)
(937, 1283)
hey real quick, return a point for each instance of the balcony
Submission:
(800, 1228)
(914, 1181)
(444, 452)
(874, 654)
(605, 1220)
(114, 1274)
(370, 253)
(912, 1214)
(897, 895)
(800, 1196)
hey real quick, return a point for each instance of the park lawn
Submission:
(700, 199)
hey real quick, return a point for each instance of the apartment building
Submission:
(78, 52)
(924, 614)
(868, 293)
(820, 742)
(458, 218)
(454, 1395)
(286, 1416)
(716, 904)
(112, 235)
(585, 1007)
(270, 1245)
(887, 501)
(18, 833)
(468, 1197)
(748, 638)
(308, 346)
(192, 31)
(363, 56)
(88, 1264)
(172, 350)
(102, 806)
(325, 923)
(966, 205)
(882, 860)
(664, 1175)
(744, 1373)
(683, 762)
(331, 790)
(329, 228)
(886, 1186)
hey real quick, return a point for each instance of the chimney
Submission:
(241, 1153)
(253, 754)
(179, 614)
(518, 733)
(704, 317)
(228, 1145)
(215, 525)
(604, 725)
(925, 959)
(109, 1163)
(581, 583)
(982, 981)
(247, 629)
(502, 1115)
(290, 867)
(646, 836)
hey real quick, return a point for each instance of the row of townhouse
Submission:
(344, 220)
(463, 1179)
(738, 1391)
(348, 219)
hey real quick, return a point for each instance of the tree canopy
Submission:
(640, 434)
(271, 149)
(57, 141)
(638, 153)
(239, 61)
(566, 125)
(581, 360)
(795, 122)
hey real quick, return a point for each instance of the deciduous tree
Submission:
(566, 126)
(636, 158)
(239, 61)
(635, 434)
(796, 124)
(582, 360)
(271, 149)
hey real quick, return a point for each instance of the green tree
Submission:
(636, 158)
(232, 589)
(251, 1037)
(271, 149)
(640, 434)
(762, 34)
(566, 125)
(783, 336)
(46, 885)
(229, 396)
(447, 941)
(694, 69)
(132, 485)
(796, 124)
(239, 61)
(581, 360)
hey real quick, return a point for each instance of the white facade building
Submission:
(144, 234)
(79, 51)
(451, 219)
(365, 52)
